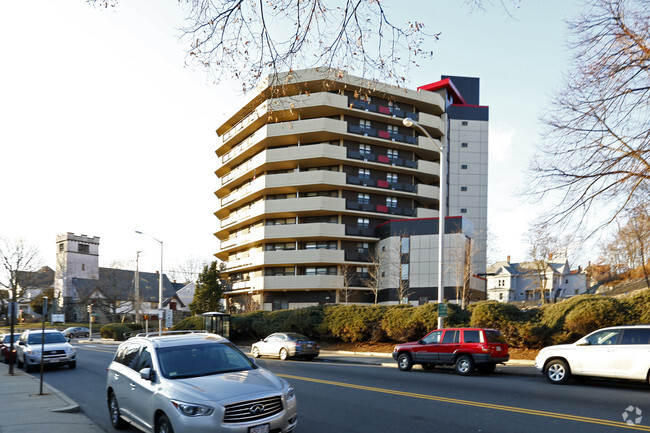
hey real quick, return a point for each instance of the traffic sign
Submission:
(442, 309)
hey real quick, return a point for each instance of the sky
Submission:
(105, 130)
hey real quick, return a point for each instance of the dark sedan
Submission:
(5, 352)
(285, 345)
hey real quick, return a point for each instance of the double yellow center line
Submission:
(535, 412)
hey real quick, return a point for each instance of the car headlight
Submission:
(190, 409)
(34, 352)
(289, 394)
(70, 350)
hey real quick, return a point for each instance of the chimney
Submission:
(508, 259)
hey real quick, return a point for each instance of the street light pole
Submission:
(160, 283)
(410, 123)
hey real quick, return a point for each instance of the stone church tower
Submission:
(77, 256)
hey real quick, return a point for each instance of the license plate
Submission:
(498, 348)
(309, 346)
(264, 428)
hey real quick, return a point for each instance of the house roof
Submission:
(120, 283)
(41, 279)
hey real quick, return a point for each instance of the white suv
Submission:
(56, 349)
(196, 382)
(621, 352)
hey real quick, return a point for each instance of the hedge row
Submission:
(534, 328)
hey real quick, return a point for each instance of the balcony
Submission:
(382, 159)
(360, 231)
(357, 129)
(381, 109)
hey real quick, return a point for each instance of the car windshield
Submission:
(7, 338)
(50, 337)
(201, 360)
(298, 337)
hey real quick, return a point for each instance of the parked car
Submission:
(5, 347)
(57, 350)
(285, 345)
(464, 348)
(78, 331)
(621, 352)
(198, 382)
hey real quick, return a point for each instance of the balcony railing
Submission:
(359, 231)
(384, 159)
(386, 135)
(382, 109)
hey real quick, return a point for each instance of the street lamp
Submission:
(160, 284)
(410, 123)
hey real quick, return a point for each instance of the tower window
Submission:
(391, 201)
(463, 167)
(364, 173)
(463, 144)
(363, 223)
(83, 248)
(464, 123)
(60, 247)
(363, 198)
(392, 153)
(463, 210)
(463, 188)
(364, 124)
(364, 149)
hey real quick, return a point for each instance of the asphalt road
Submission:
(360, 398)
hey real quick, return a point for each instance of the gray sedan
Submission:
(78, 331)
(285, 345)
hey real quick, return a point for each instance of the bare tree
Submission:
(188, 270)
(630, 247)
(375, 268)
(387, 269)
(115, 295)
(598, 129)
(18, 260)
(543, 245)
(461, 266)
(346, 271)
(249, 39)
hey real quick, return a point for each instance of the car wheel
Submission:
(86, 335)
(256, 352)
(163, 425)
(114, 412)
(487, 368)
(557, 372)
(428, 367)
(464, 365)
(72, 364)
(284, 354)
(310, 357)
(404, 362)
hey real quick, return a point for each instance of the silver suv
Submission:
(198, 382)
(56, 349)
(620, 352)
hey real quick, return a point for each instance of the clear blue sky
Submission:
(104, 130)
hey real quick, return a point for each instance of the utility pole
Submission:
(137, 287)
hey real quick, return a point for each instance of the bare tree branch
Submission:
(596, 153)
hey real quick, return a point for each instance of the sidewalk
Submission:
(23, 409)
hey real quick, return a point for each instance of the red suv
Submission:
(464, 348)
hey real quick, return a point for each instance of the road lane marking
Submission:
(535, 412)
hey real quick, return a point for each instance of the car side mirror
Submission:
(21, 343)
(420, 341)
(147, 373)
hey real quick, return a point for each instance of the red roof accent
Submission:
(442, 84)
